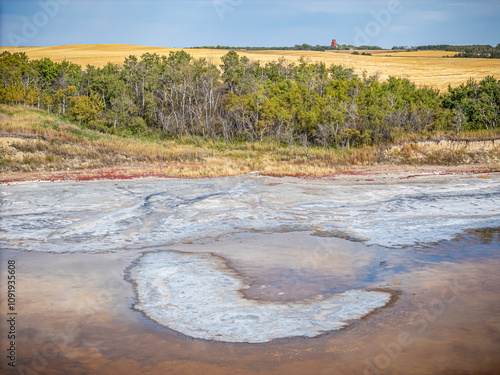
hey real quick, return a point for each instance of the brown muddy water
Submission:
(75, 311)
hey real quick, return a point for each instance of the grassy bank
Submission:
(32, 141)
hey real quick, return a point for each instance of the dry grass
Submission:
(410, 137)
(422, 67)
(66, 146)
(446, 152)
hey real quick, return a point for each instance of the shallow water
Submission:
(76, 308)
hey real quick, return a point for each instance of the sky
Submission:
(190, 23)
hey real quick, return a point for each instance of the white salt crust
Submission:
(197, 295)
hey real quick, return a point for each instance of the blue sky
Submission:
(186, 23)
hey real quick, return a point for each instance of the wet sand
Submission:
(76, 312)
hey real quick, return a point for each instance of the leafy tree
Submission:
(63, 97)
(87, 109)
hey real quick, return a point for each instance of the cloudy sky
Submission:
(186, 23)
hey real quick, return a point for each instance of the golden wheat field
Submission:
(423, 67)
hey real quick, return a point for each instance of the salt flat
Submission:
(98, 216)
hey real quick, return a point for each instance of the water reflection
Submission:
(447, 316)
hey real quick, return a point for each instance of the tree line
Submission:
(477, 51)
(178, 95)
(297, 47)
(470, 51)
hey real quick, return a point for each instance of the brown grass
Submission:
(423, 67)
(66, 146)
(446, 152)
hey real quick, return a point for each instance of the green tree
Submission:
(87, 109)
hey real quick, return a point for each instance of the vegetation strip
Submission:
(309, 104)
(193, 120)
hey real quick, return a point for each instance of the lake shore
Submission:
(374, 174)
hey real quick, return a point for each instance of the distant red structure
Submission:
(334, 43)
